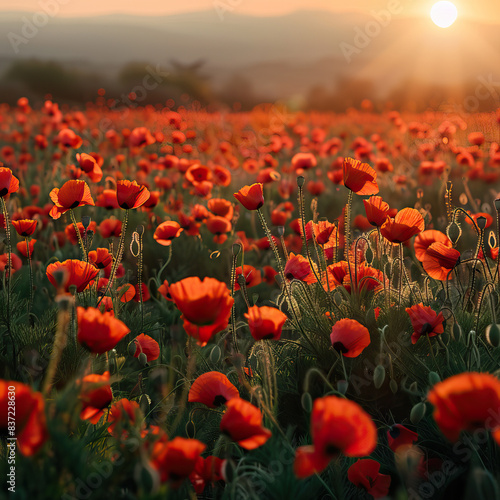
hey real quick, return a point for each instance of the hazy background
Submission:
(309, 54)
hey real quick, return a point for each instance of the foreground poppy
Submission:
(242, 422)
(205, 306)
(365, 475)
(75, 272)
(166, 232)
(29, 413)
(359, 177)
(213, 389)
(9, 183)
(72, 194)
(400, 438)
(99, 332)
(376, 210)
(131, 195)
(265, 322)
(95, 395)
(251, 197)
(25, 227)
(426, 238)
(407, 223)
(337, 426)
(349, 337)
(439, 260)
(424, 321)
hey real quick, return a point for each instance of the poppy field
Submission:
(251, 305)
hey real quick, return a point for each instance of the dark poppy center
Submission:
(331, 450)
(219, 400)
(394, 432)
(3, 192)
(340, 347)
(74, 204)
(268, 337)
(426, 329)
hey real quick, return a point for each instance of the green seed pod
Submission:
(378, 376)
(306, 402)
(393, 386)
(215, 354)
(143, 359)
(413, 387)
(369, 255)
(337, 298)
(132, 347)
(493, 335)
(417, 413)
(300, 180)
(454, 232)
(190, 429)
(434, 378)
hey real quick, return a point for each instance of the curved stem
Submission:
(78, 235)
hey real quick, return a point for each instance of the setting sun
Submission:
(444, 14)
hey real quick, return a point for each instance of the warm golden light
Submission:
(444, 14)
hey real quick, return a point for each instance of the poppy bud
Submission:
(143, 359)
(369, 255)
(481, 222)
(417, 413)
(337, 298)
(342, 386)
(434, 378)
(86, 219)
(493, 335)
(281, 230)
(306, 402)
(413, 387)
(300, 180)
(132, 347)
(378, 376)
(393, 385)
(454, 232)
(215, 354)
(190, 429)
(497, 204)
(236, 249)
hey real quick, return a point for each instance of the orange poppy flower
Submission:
(71, 234)
(426, 238)
(407, 223)
(424, 321)
(205, 306)
(73, 193)
(90, 166)
(376, 210)
(140, 137)
(337, 426)
(163, 290)
(95, 395)
(69, 139)
(166, 232)
(25, 227)
(303, 161)
(251, 197)
(99, 332)
(349, 337)
(207, 470)
(107, 199)
(242, 422)
(100, 257)
(400, 438)
(75, 272)
(252, 276)
(15, 261)
(126, 292)
(147, 345)
(175, 460)
(213, 389)
(221, 207)
(265, 322)
(123, 413)
(365, 475)
(198, 173)
(218, 226)
(297, 267)
(359, 177)
(467, 402)
(368, 278)
(22, 247)
(131, 195)
(30, 424)
(110, 227)
(439, 260)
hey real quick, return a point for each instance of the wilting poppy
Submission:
(439, 260)
(207, 470)
(123, 413)
(407, 223)
(376, 210)
(467, 402)
(337, 426)
(365, 475)
(251, 197)
(426, 238)
(9, 183)
(130, 194)
(205, 306)
(242, 422)
(359, 177)
(29, 410)
(95, 395)
(212, 389)
(400, 438)
(166, 232)
(72, 194)
(349, 337)
(99, 332)
(75, 272)
(265, 322)
(424, 321)
(175, 460)
(25, 227)
(147, 345)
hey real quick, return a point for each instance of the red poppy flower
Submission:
(73, 193)
(251, 197)
(265, 322)
(425, 239)
(218, 226)
(365, 474)
(100, 257)
(439, 260)
(107, 199)
(407, 223)
(15, 261)
(69, 139)
(110, 227)
(269, 275)
(359, 177)
(131, 195)
(207, 470)
(212, 389)
(166, 232)
(467, 402)
(400, 438)
(424, 321)
(221, 207)
(140, 137)
(303, 161)
(198, 173)
(75, 272)
(71, 234)
(376, 210)
(90, 166)
(205, 306)
(147, 345)
(175, 460)
(337, 426)
(252, 276)
(95, 395)
(99, 332)
(29, 408)
(297, 267)
(123, 413)
(488, 217)
(25, 227)
(349, 337)
(126, 292)
(163, 290)
(22, 247)
(242, 422)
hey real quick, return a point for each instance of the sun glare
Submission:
(444, 14)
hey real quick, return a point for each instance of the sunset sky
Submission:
(482, 10)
